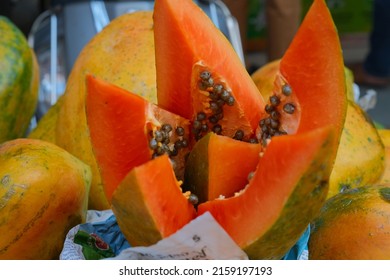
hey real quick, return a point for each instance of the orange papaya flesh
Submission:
(149, 204)
(210, 171)
(311, 75)
(122, 127)
(285, 193)
(186, 43)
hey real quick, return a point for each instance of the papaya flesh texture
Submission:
(353, 225)
(122, 128)
(285, 193)
(149, 203)
(19, 82)
(198, 71)
(385, 137)
(360, 158)
(43, 194)
(123, 54)
(210, 171)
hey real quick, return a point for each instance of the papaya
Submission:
(360, 155)
(43, 194)
(210, 172)
(353, 225)
(384, 133)
(360, 158)
(285, 193)
(19, 82)
(140, 130)
(268, 214)
(155, 206)
(198, 72)
(46, 127)
(122, 53)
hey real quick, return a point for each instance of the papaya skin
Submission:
(353, 225)
(46, 127)
(19, 82)
(43, 194)
(123, 54)
(385, 136)
(360, 158)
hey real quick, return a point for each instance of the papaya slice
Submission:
(126, 130)
(211, 173)
(154, 206)
(198, 71)
(285, 193)
(309, 88)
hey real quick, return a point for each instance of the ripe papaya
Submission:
(140, 129)
(122, 53)
(154, 206)
(353, 225)
(43, 194)
(360, 155)
(198, 72)
(360, 158)
(19, 82)
(292, 174)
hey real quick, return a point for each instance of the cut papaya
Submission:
(149, 204)
(126, 130)
(286, 192)
(219, 166)
(198, 71)
(122, 53)
(310, 88)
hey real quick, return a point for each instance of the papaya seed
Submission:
(205, 75)
(166, 127)
(158, 136)
(286, 89)
(289, 108)
(239, 135)
(193, 199)
(217, 129)
(179, 131)
(201, 116)
(230, 101)
(153, 144)
(274, 100)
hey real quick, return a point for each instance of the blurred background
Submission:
(258, 32)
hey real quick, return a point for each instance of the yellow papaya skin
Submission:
(122, 54)
(19, 82)
(385, 136)
(43, 194)
(46, 127)
(353, 225)
(360, 157)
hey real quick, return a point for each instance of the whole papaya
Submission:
(43, 194)
(19, 81)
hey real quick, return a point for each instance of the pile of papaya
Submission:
(161, 122)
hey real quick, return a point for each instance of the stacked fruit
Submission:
(171, 125)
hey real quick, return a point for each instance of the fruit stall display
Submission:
(161, 122)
